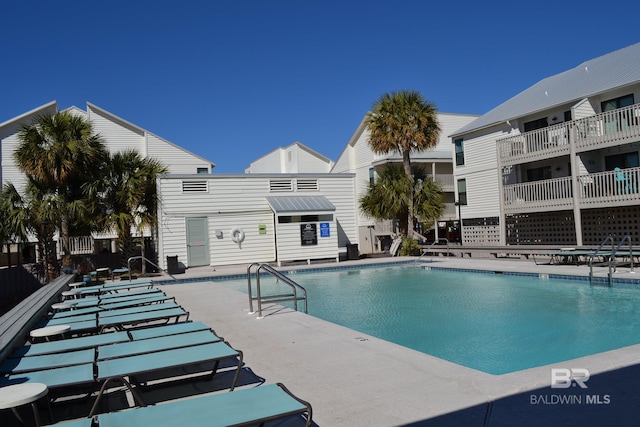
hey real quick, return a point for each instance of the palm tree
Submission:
(126, 197)
(392, 192)
(30, 214)
(404, 122)
(59, 152)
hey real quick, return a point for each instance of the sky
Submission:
(234, 80)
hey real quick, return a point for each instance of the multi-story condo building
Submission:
(558, 163)
(358, 158)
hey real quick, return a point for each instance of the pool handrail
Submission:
(435, 242)
(613, 256)
(594, 254)
(273, 298)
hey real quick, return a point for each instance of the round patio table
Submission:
(49, 331)
(13, 396)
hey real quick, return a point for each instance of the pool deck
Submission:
(352, 379)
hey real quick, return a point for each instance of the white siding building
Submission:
(357, 158)
(557, 164)
(295, 158)
(240, 219)
(117, 135)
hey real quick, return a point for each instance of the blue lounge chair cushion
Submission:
(136, 318)
(130, 302)
(155, 344)
(242, 407)
(137, 309)
(47, 361)
(55, 377)
(159, 360)
(173, 329)
(71, 344)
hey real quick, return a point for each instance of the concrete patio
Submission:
(352, 379)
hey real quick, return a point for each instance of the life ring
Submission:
(237, 235)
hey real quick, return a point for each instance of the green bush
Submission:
(409, 246)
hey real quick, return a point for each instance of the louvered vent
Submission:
(194, 186)
(276, 185)
(307, 184)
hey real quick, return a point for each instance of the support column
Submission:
(575, 185)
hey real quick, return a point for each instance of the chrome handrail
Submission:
(613, 256)
(286, 280)
(150, 262)
(425, 251)
(593, 255)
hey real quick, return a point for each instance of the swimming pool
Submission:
(490, 322)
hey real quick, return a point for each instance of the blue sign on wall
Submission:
(325, 230)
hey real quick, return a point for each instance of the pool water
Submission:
(490, 322)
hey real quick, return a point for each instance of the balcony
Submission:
(445, 181)
(596, 190)
(612, 128)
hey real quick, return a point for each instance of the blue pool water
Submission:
(490, 322)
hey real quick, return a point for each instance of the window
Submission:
(462, 191)
(622, 161)
(538, 174)
(202, 170)
(286, 219)
(459, 152)
(372, 176)
(536, 124)
(614, 104)
(621, 120)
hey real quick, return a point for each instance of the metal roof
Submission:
(616, 69)
(300, 204)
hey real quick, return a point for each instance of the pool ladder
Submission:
(298, 293)
(612, 257)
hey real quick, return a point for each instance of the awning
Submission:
(281, 204)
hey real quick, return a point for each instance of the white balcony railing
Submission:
(603, 130)
(596, 190)
(617, 126)
(547, 194)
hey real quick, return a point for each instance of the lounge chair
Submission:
(124, 321)
(150, 345)
(71, 344)
(166, 330)
(47, 361)
(253, 406)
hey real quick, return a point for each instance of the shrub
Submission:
(409, 246)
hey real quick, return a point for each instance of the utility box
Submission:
(172, 264)
(352, 252)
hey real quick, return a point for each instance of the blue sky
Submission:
(233, 80)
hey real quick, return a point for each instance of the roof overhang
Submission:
(298, 204)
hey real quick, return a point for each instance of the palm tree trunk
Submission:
(64, 235)
(406, 162)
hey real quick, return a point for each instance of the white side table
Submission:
(65, 305)
(49, 331)
(13, 396)
(71, 293)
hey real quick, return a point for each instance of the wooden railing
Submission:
(546, 194)
(602, 130)
(617, 127)
(596, 189)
